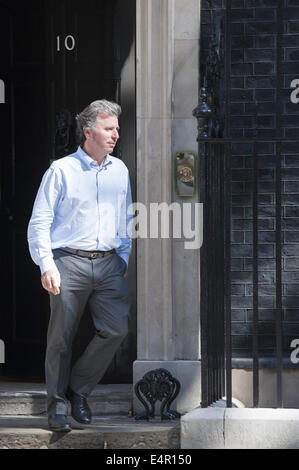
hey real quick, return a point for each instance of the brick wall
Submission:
(260, 106)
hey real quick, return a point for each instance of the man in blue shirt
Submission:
(78, 236)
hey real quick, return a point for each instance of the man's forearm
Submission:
(41, 220)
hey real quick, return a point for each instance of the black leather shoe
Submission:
(58, 423)
(80, 409)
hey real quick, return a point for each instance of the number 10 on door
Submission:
(69, 43)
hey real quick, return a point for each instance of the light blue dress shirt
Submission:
(83, 206)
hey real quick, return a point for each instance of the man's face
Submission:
(104, 136)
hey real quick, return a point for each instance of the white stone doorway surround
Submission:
(168, 322)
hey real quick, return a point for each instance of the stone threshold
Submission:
(105, 432)
(30, 399)
(24, 424)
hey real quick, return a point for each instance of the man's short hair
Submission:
(88, 117)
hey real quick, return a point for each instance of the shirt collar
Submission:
(89, 161)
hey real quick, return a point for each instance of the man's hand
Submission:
(126, 275)
(51, 281)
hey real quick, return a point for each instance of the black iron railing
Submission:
(241, 181)
(251, 224)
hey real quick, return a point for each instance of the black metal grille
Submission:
(212, 272)
(249, 164)
(220, 195)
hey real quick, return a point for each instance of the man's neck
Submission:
(100, 159)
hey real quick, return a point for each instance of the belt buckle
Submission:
(93, 255)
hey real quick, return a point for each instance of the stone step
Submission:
(29, 399)
(105, 432)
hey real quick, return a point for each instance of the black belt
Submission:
(89, 254)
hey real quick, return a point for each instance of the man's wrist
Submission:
(47, 264)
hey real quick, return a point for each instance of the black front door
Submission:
(56, 57)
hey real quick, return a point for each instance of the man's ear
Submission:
(87, 133)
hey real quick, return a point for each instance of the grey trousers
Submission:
(101, 284)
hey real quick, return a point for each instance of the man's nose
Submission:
(115, 135)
